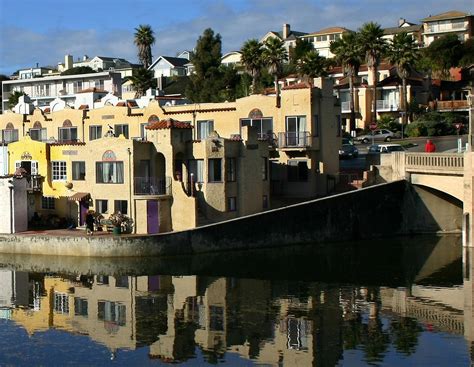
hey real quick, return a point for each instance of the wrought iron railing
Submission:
(152, 186)
(297, 139)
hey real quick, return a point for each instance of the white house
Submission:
(169, 66)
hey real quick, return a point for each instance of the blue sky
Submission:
(43, 31)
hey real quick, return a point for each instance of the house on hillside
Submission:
(287, 35)
(415, 30)
(322, 39)
(450, 22)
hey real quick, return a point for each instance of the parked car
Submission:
(385, 148)
(348, 151)
(378, 135)
(347, 141)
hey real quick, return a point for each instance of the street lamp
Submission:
(470, 99)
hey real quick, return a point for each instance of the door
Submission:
(83, 209)
(153, 222)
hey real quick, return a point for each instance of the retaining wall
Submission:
(383, 210)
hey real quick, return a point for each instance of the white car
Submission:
(385, 148)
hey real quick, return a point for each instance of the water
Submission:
(399, 302)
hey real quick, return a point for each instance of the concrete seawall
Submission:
(383, 210)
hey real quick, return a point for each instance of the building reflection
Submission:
(277, 323)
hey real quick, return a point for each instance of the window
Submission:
(196, 169)
(295, 131)
(67, 134)
(113, 312)
(215, 170)
(143, 131)
(316, 126)
(231, 169)
(103, 279)
(109, 172)
(120, 206)
(264, 168)
(10, 135)
(216, 315)
(231, 204)
(101, 206)
(79, 171)
(77, 86)
(47, 202)
(297, 171)
(95, 132)
(204, 128)
(264, 126)
(121, 129)
(38, 134)
(58, 170)
(121, 281)
(61, 302)
(80, 306)
(265, 202)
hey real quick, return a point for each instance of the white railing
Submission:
(434, 28)
(441, 163)
(387, 105)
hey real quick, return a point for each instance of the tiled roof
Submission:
(330, 30)
(120, 104)
(395, 30)
(222, 109)
(302, 85)
(447, 15)
(68, 143)
(84, 107)
(168, 124)
(94, 90)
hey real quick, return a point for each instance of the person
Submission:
(430, 147)
(90, 223)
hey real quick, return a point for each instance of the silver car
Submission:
(378, 135)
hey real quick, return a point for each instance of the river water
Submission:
(397, 302)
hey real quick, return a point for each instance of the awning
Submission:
(79, 196)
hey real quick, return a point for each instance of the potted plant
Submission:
(117, 219)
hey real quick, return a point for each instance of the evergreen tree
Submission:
(347, 53)
(13, 99)
(252, 60)
(274, 54)
(374, 47)
(144, 39)
(206, 82)
(444, 53)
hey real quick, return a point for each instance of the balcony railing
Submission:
(386, 105)
(452, 105)
(270, 137)
(298, 139)
(435, 28)
(152, 186)
(34, 182)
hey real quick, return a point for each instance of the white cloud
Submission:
(252, 19)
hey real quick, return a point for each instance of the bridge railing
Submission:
(440, 163)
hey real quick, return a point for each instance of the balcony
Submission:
(151, 186)
(452, 105)
(384, 105)
(270, 137)
(290, 140)
(34, 183)
(448, 27)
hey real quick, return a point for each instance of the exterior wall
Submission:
(462, 27)
(45, 89)
(14, 206)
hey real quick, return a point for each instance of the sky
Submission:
(43, 31)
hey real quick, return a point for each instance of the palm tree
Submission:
(312, 65)
(144, 39)
(274, 54)
(403, 53)
(374, 47)
(142, 80)
(252, 60)
(347, 53)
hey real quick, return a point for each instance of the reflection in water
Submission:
(305, 307)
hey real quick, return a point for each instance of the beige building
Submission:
(212, 161)
(450, 22)
(321, 40)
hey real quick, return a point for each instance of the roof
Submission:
(105, 58)
(79, 196)
(447, 15)
(175, 61)
(329, 30)
(293, 34)
(168, 124)
(302, 85)
(394, 30)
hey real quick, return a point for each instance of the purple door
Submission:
(83, 208)
(153, 223)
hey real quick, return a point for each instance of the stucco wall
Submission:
(18, 200)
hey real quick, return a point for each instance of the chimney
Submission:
(401, 21)
(286, 31)
(67, 62)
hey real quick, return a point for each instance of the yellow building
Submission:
(211, 161)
